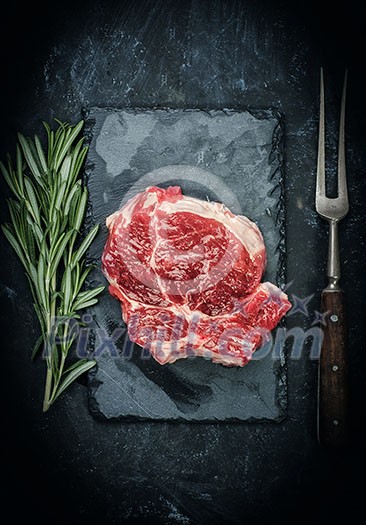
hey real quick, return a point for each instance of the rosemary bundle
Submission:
(47, 209)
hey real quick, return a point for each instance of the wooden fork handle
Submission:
(332, 380)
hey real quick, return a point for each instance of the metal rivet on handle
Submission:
(335, 368)
(335, 422)
(334, 318)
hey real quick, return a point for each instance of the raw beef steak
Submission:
(188, 275)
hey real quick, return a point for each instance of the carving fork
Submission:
(332, 372)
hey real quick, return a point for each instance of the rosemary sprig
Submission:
(47, 211)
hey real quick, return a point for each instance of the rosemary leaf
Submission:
(37, 346)
(76, 188)
(67, 143)
(82, 279)
(58, 249)
(40, 152)
(80, 212)
(85, 297)
(79, 253)
(19, 170)
(15, 244)
(32, 273)
(61, 195)
(79, 369)
(41, 281)
(9, 179)
(66, 289)
(29, 157)
(65, 170)
(33, 201)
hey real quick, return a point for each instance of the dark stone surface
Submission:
(225, 156)
(66, 466)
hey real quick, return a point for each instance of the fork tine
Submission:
(320, 175)
(342, 181)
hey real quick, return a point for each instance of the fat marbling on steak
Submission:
(188, 275)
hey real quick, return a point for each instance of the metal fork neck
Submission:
(333, 266)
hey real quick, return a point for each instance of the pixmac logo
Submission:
(91, 340)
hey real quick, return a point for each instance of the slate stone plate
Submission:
(234, 157)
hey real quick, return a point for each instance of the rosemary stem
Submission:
(47, 391)
(51, 348)
(57, 379)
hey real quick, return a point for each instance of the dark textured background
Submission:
(58, 58)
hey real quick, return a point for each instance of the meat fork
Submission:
(332, 371)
